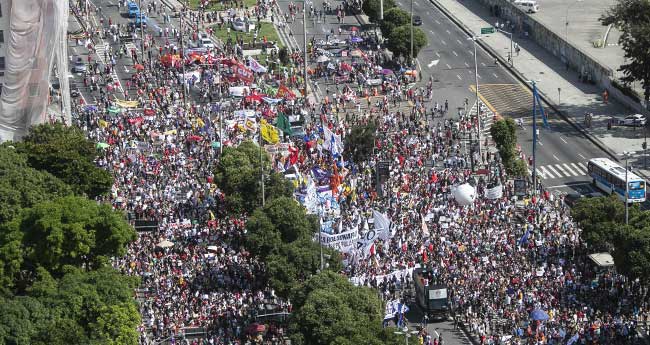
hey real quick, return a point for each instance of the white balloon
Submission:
(464, 194)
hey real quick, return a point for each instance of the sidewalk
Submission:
(553, 82)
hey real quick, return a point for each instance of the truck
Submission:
(134, 10)
(431, 298)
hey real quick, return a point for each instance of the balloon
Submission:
(464, 194)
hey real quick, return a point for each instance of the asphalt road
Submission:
(562, 152)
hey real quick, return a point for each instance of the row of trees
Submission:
(56, 283)
(396, 27)
(505, 138)
(602, 221)
(328, 309)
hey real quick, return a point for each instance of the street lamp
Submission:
(406, 333)
(566, 20)
(534, 83)
(411, 30)
(627, 155)
(478, 105)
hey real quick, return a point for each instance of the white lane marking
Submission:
(563, 140)
(438, 55)
(443, 42)
(539, 142)
(579, 169)
(454, 52)
(459, 78)
(448, 32)
(570, 169)
(546, 172)
(433, 63)
(581, 156)
(494, 74)
(448, 67)
(540, 173)
(479, 76)
(557, 159)
(459, 42)
(466, 64)
(583, 166)
(550, 167)
(437, 21)
(563, 171)
(433, 32)
(471, 52)
(483, 64)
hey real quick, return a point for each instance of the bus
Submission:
(610, 178)
(431, 298)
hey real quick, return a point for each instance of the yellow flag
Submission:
(126, 104)
(269, 133)
(103, 124)
(200, 122)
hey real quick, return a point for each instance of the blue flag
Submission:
(524, 239)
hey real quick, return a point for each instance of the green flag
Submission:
(283, 123)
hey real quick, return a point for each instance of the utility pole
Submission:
(627, 187)
(512, 57)
(478, 104)
(411, 31)
(141, 30)
(304, 46)
(534, 136)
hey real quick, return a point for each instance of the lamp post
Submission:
(411, 31)
(558, 96)
(406, 333)
(478, 104)
(627, 155)
(534, 83)
(141, 30)
(566, 20)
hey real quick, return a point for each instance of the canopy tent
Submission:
(165, 244)
(602, 259)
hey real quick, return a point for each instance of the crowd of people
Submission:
(502, 257)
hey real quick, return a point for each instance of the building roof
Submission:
(602, 259)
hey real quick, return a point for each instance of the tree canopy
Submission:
(393, 18)
(238, 176)
(360, 143)
(65, 152)
(372, 8)
(333, 311)
(632, 18)
(505, 137)
(22, 186)
(399, 41)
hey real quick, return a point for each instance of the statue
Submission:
(36, 34)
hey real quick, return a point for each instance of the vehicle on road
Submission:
(431, 298)
(610, 177)
(79, 66)
(636, 120)
(133, 9)
(135, 24)
(417, 20)
(528, 6)
(206, 43)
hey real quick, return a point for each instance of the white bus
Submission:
(609, 176)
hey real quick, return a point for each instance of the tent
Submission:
(165, 244)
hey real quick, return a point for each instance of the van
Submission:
(528, 6)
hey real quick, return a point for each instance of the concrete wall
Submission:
(587, 66)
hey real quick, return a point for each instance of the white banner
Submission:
(362, 280)
(339, 241)
(494, 193)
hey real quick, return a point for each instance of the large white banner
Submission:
(339, 241)
(364, 279)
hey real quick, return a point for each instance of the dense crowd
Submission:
(502, 258)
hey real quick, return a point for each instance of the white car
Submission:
(636, 120)
(239, 24)
(206, 43)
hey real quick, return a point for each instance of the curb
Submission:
(523, 80)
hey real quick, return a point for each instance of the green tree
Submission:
(71, 231)
(399, 41)
(632, 253)
(372, 8)
(632, 18)
(393, 18)
(65, 152)
(238, 175)
(336, 312)
(22, 186)
(360, 143)
(505, 137)
(600, 220)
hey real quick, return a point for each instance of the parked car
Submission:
(239, 24)
(417, 20)
(528, 6)
(79, 66)
(636, 120)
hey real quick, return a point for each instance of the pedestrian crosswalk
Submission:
(103, 53)
(561, 170)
